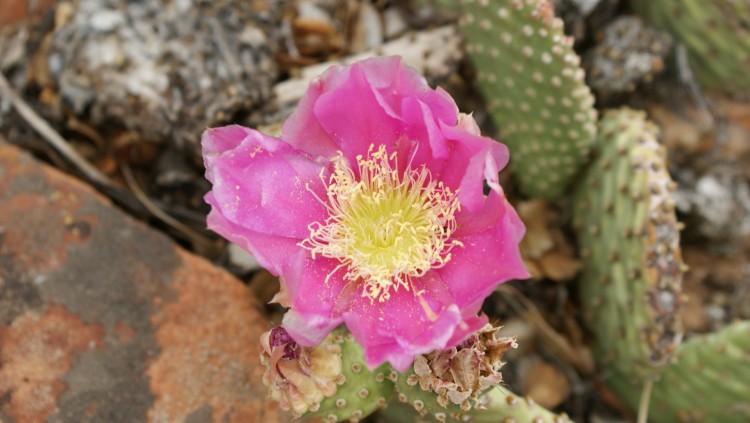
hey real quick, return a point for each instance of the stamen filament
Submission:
(385, 227)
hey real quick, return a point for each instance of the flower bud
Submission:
(298, 377)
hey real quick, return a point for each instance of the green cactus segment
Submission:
(630, 286)
(501, 402)
(715, 33)
(708, 381)
(629, 238)
(535, 89)
(497, 404)
(362, 393)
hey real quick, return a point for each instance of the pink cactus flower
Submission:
(370, 208)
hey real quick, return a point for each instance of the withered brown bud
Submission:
(459, 374)
(299, 377)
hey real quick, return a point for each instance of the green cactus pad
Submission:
(497, 404)
(535, 89)
(363, 392)
(708, 381)
(629, 237)
(715, 33)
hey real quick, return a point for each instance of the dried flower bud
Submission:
(299, 377)
(459, 374)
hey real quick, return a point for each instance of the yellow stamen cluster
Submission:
(384, 226)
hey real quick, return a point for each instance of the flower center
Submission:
(385, 228)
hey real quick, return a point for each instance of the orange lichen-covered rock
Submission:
(105, 320)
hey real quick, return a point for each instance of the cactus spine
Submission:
(534, 88)
(629, 239)
(715, 33)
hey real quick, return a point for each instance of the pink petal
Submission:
(261, 186)
(308, 329)
(349, 108)
(314, 296)
(471, 324)
(302, 129)
(354, 118)
(373, 327)
(405, 325)
(489, 255)
(422, 125)
(271, 251)
(393, 82)
(457, 156)
(400, 351)
(473, 159)
(442, 105)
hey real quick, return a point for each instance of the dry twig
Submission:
(202, 244)
(555, 341)
(50, 135)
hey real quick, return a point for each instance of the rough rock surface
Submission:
(105, 320)
(630, 53)
(165, 69)
(708, 158)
